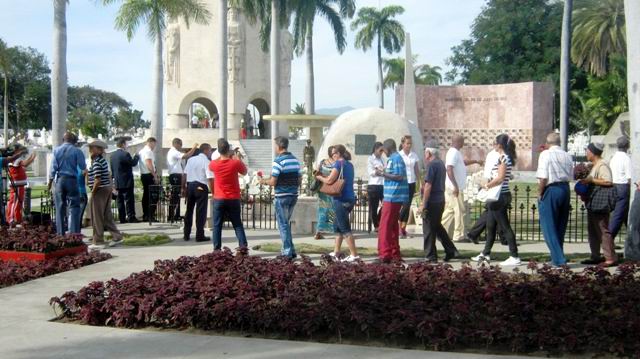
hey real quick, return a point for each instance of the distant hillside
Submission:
(334, 111)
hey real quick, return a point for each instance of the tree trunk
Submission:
(156, 104)
(275, 69)
(380, 77)
(310, 107)
(565, 72)
(632, 15)
(59, 72)
(5, 109)
(222, 106)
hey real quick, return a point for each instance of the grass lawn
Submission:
(307, 248)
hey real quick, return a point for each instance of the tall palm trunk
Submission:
(565, 72)
(156, 102)
(275, 69)
(5, 109)
(380, 77)
(59, 72)
(632, 15)
(310, 107)
(223, 84)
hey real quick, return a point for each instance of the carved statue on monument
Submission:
(309, 154)
(235, 46)
(286, 56)
(172, 62)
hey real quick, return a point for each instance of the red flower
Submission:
(260, 174)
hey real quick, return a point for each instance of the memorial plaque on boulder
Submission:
(364, 144)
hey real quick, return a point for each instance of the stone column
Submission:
(632, 15)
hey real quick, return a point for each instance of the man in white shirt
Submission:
(148, 177)
(196, 182)
(621, 170)
(555, 170)
(454, 215)
(175, 165)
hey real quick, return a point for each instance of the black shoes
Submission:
(203, 239)
(450, 256)
(592, 261)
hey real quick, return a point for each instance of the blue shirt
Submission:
(286, 169)
(66, 160)
(347, 194)
(396, 191)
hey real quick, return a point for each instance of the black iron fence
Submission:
(258, 211)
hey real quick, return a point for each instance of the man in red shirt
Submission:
(226, 194)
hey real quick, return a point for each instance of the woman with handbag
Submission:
(375, 186)
(339, 184)
(497, 216)
(326, 215)
(599, 204)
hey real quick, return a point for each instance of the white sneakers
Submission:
(334, 256)
(511, 261)
(351, 259)
(481, 258)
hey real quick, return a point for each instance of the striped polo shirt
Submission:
(99, 168)
(396, 191)
(286, 169)
(508, 176)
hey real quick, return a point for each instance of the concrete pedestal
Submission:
(304, 216)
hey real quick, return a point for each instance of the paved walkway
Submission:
(26, 332)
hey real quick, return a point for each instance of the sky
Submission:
(100, 56)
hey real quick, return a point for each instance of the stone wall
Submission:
(480, 113)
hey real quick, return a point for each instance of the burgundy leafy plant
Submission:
(36, 239)
(17, 272)
(553, 310)
(582, 170)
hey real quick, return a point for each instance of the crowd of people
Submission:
(395, 174)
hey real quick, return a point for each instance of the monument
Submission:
(192, 74)
(480, 113)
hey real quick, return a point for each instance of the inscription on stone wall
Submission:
(475, 99)
(364, 144)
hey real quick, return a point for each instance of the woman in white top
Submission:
(412, 162)
(375, 186)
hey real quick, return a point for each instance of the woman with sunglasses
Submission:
(343, 203)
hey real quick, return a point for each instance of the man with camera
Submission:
(6, 157)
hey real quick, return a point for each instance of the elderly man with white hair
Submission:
(433, 202)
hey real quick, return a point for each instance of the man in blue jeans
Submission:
(555, 170)
(285, 178)
(67, 159)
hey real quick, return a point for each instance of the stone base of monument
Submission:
(305, 216)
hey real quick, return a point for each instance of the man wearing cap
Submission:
(67, 158)
(555, 170)
(18, 182)
(621, 171)
(101, 188)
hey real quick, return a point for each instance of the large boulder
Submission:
(368, 121)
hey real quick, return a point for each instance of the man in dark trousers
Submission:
(433, 206)
(196, 181)
(122, 172)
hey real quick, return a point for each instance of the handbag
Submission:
(602, 199)
(489, 195)
(334, 189)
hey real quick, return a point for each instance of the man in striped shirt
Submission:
(101, 189)
(396, 192)
(285, 178)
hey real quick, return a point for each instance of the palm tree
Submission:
(334, 11)
(4, 66)
(59, 72)
(423, 74)
(156, 14)
(380, 24)
(565, 72)
(632, 10)
(598, 32)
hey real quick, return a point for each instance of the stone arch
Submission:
(202, 98)
(257, 106)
